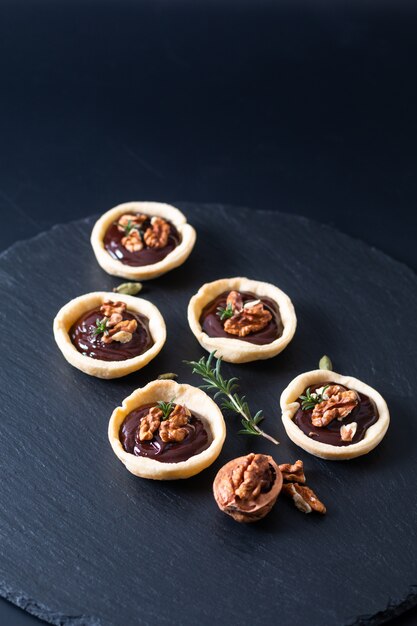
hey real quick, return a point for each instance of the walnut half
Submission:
(173, 429)
(246, 488)
(249, 320)
(340, 402)
(156, 236)
(149, 424)
(108, 308)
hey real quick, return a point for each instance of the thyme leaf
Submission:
(224, 314)
(132, 226)
(310, 400)
(166, 408)
(101, 326)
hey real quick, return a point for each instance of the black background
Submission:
(302, 107)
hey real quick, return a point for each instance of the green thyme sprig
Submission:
(101, 326)
(310, 400)
(231, 400)
(225, 313)
(132, 226)
(166, 408)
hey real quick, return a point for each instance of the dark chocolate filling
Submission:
(364, 414)
(214, 327)
(147, 256)
(89, 344)
(197, 440)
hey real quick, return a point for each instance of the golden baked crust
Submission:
(234, 350)
(289, 407)
(74, 309)
(197, 402)
(175, 258)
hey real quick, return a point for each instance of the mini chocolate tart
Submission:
(333, 416)
(166, 431)
(242, 320)
(142, 240)
(109, 335)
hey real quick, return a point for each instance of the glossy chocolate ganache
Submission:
(364, 414)
(138, 240)
(90, 342)
(197, 439)
(214, 326)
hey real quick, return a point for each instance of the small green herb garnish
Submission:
(224, 314)
(166, 408)
(101, 326)
(227, 388)
(131, 226)
(310, 400)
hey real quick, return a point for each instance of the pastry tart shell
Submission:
(234, 350)
(74, 309)
(145, 272)
(197, 401)
(290, 406)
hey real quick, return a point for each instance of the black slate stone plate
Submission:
(85, 542)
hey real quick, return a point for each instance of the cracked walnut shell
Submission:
(247, 488)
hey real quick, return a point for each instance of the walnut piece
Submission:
(348, 431)
(304, 498)
(122, 332)
(149, 424)
(109, 307)
(173, 429)
(293, 473)
(130, 220)
(114, 319)
(235, 301)
(246, 488)
(249, 320)
(339, 404)
(156, 236)
(133, 241)
(256, 477)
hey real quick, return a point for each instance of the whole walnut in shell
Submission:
(246, 488)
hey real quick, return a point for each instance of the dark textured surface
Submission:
(302, 106)
(81, 537)
(297, 106)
